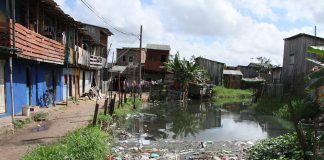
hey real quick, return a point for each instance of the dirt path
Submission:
(61, 121)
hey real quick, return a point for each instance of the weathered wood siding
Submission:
(213, 68)
(295, 65)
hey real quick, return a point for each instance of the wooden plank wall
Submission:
(214, 69)
(36, 46)
(294, 72)
(274, 90)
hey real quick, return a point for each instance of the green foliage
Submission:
(303, 109)
(104, 119)
(222, 92)
(185, 71)
(127, 108)
(82, 144)
(40, 116)
(21, 123)
(284, 147)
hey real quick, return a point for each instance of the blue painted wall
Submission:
(41, 72)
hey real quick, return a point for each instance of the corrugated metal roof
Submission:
(233, 72)
(118, 69)
(158, 47)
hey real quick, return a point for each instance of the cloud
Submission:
(215, 29)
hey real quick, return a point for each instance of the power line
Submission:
(92, 9)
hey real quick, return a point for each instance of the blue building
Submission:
(40, 43)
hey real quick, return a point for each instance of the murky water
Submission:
(198, 121)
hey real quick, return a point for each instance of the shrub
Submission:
(302, 108)
(282, 147)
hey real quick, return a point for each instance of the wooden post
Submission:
(119, 102)
(106, 106)
(112, 105)
(67, 90)
(94, 122)
(140, 64)
(134, 106)
(10, 60)
(125, 97)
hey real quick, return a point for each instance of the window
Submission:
(291, 59)
(130, 59)
(163, 58)
(124, 58)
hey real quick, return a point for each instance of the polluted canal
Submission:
(196, 130)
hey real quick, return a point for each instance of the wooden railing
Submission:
(32, 45)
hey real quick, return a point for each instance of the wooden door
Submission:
(2, 88)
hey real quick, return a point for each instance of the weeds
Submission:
(40, 116)
(127, 108)
(21, 123)
(82, 144)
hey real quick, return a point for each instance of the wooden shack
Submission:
(213, 68)
(295, 65)
(232, 78)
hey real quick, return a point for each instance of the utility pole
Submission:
(140, 63)
(13, 5)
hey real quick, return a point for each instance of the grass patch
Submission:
(40, 116)
(224, 96)
(222, 92)
(267, 105)
(21, 123)
(83, 144)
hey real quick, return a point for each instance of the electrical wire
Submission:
(103, 19)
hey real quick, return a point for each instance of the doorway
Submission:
(2, 87)
(28, 86)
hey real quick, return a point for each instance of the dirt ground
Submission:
(60, 121)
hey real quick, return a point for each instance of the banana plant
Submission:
(315, 79)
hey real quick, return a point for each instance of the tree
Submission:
(185, 71)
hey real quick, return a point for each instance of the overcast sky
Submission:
(230, 31)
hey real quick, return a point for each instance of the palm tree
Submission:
(185, 71)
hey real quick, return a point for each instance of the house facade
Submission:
(295, 66)
(48, 54)
(131, 57)
(156, 56)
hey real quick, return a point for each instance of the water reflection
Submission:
(203, 121)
